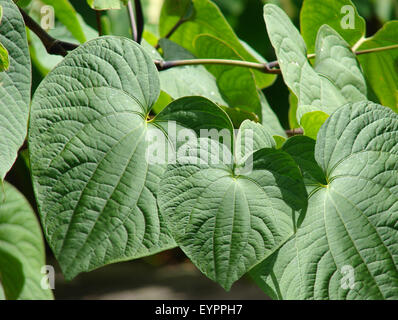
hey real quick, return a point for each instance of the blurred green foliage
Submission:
(246, 18)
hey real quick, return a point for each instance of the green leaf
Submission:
(238, 116)
(341, 15)
(381, 68)
(293, 102)
(196, 80)
(14, 86)
(196, 22)
(194, 113)
(23, 3)
(4, 61)
(89, 139)
(162, 102)
(279, 140)
(316, 91)
(252, 137)
(66, 14)
(22, 254)
(237, 85)
(187, 80)
(173, 51)
(301, 149)
(2, 294)
(336, 61)
(312, 122)
(226, 223)
(97, 206)
(346, 247)
(104, 4)
(269, 118)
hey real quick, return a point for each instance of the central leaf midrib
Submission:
(82, 193)
(353, 242)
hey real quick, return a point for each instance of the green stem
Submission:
(394, 46)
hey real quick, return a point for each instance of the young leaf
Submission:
(226, 223)
(279, 141)
(346, 247)
(293, 104)
(22, 254)
(89, 140)
(196, 16)
(4, 61)
(315, 91)
(341, 15)
(336, 61)
(14, 86)
(312, 122)
(381, 68)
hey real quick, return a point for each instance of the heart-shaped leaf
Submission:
(14, 86)
(21, 248)
(227, 222)
(347, 245)
(89, 141)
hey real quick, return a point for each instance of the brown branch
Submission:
(263, 67)
(99, 23)
(294, 132)
(52, 45)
